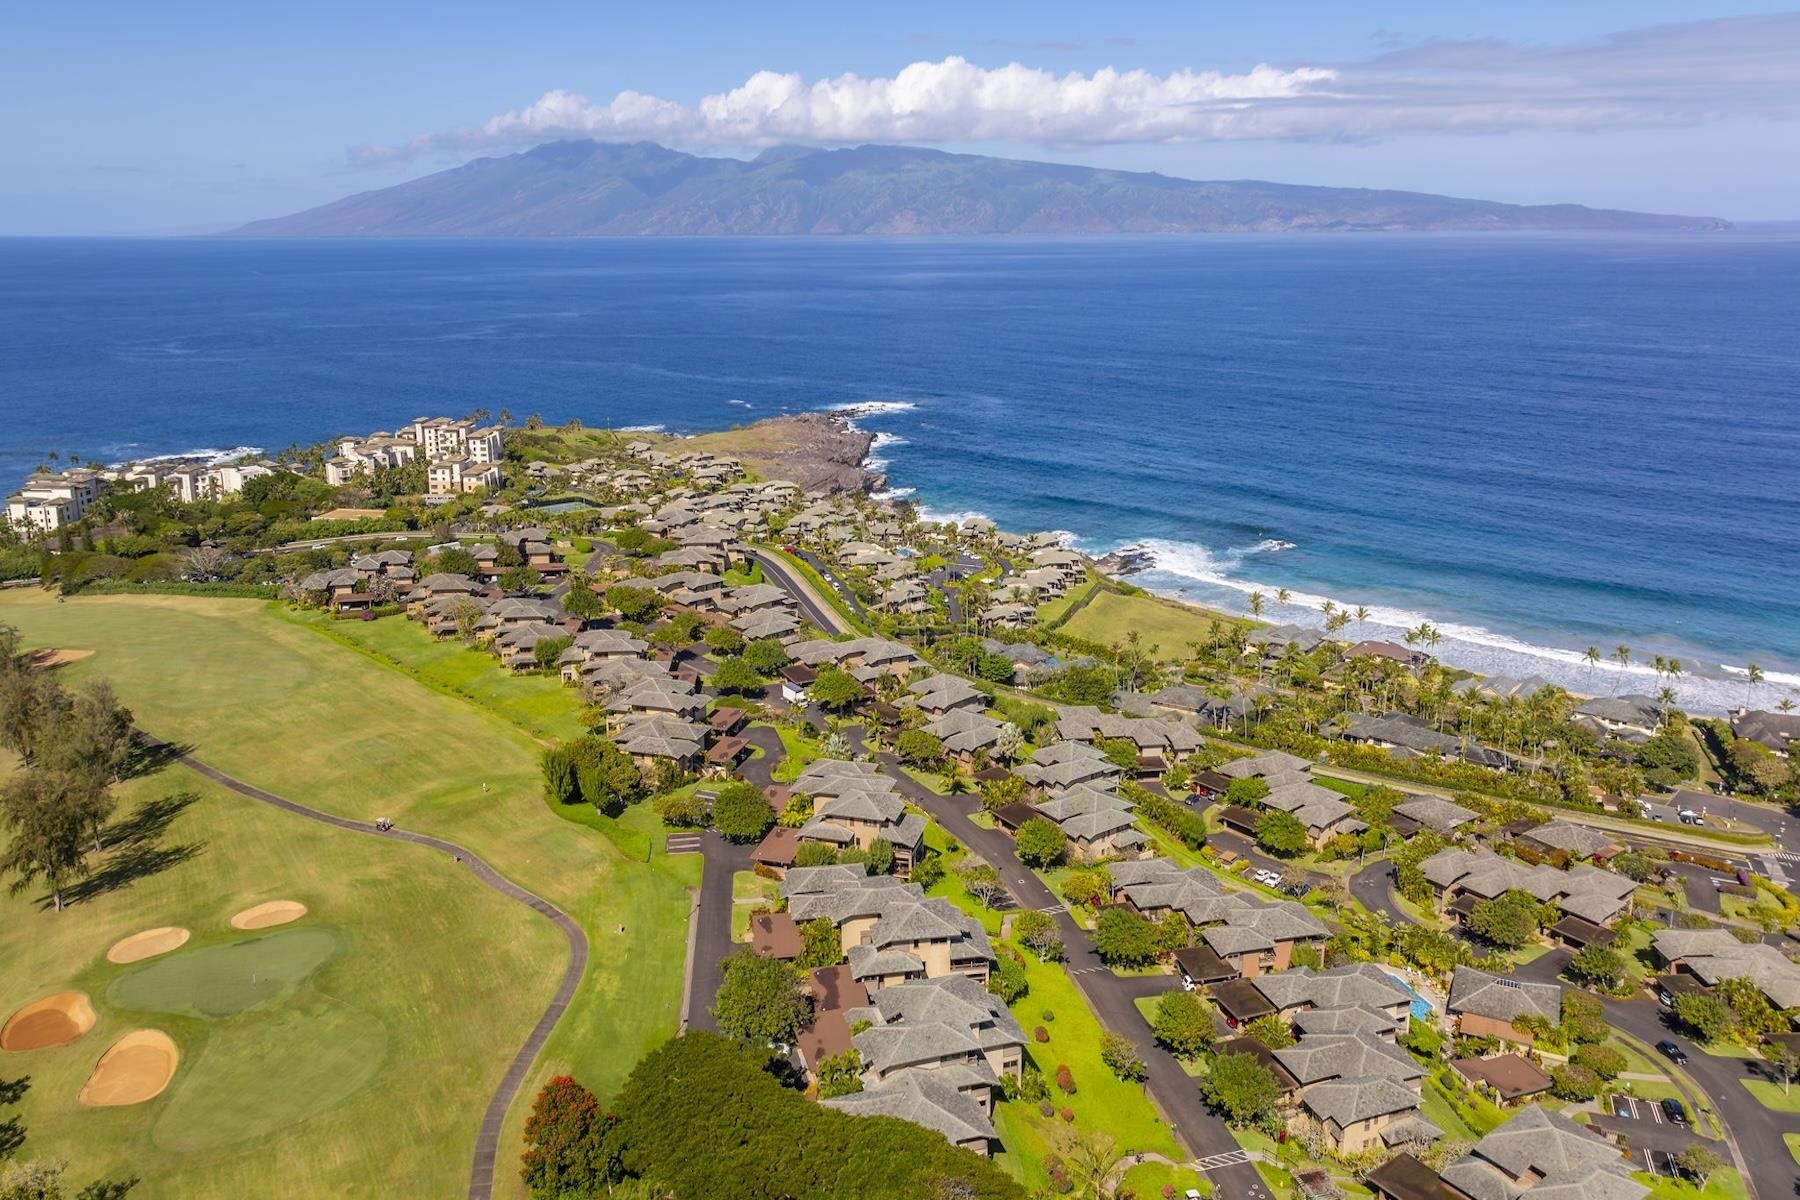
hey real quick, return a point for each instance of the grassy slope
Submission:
(1167, 625)
(439, 982)
(271, 701)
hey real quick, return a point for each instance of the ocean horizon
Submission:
(1534, 442)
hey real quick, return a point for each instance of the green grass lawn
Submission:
(1149, 1179)
(399, 999)
(1054, 612)
(540, 704)
(950, 886)
(1101, 1101)
(801, 753)
(748, 890)
(1770, 1094)
(1164, 624)
(1793, 1144)
(1725, 1184)
(271, 700)
(1460, 1114)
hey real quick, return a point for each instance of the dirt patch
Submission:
(269, 913)
(134, 1069)
(351, 514)
(53, 1021)
(48, 657)
(147, 944)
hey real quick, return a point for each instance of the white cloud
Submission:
(1658, 77)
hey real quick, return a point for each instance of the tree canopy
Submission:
(1281, 833)
(701, 1117)
(1123, 938)
(1040, 843)
(760, 1000)
(1242, 1088)
(834, 688)
(740, 812)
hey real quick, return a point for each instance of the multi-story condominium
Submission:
(50, 501)
(462, 475)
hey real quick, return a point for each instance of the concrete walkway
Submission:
(487, 1136)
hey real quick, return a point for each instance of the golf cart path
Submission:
(487, 1138)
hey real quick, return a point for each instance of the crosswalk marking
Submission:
(1054, 909)
(683, 843)
(1230, 1158)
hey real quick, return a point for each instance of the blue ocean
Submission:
(1535, 442)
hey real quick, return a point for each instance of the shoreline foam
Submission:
(1466, 645)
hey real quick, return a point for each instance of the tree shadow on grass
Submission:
(135, 850)
(147, 758)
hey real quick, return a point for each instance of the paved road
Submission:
(1374, 886)
(1754, 1131)
(1110, 997)
(829, 574)
(812, 607)
(712, 927)
(487, 1137)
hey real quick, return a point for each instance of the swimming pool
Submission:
(562, 506)
(1421, 1007)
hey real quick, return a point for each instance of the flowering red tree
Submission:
(568, 1147)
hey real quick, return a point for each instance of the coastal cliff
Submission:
(820, 452)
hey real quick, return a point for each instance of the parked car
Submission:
(1673, 1053)
(1673, 1109)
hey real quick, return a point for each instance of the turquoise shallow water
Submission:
(1537, 442)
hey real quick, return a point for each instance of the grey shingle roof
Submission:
(1501, 998)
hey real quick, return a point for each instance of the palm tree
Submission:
(1666, 694)
(1621, 655)
(1673, 667)
(1281, 595)
(1362, 613)
(1327, 607)
(1786, 705)
(1256, 604)
(1592, 654)
(1753, 675)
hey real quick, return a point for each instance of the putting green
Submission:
(233, 978)
(262, 1074)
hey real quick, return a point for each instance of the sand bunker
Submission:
(50, 657)
(134, 1069)
(273, 912)
(53, 1021)
(147, 944)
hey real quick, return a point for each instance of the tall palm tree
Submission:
(1753, 675)
(1281, 595)
(1622, 655)
(1592, 654)
(1362, 613)
(1673, 668)
(1666, 694)
(1786, 705)
(1256, 604)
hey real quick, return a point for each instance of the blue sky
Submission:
(173, 117)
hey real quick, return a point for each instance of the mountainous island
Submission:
(587, 189)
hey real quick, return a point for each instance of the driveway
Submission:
(712, 925)
(1110, 997)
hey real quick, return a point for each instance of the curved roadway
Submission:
(487, 1137)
